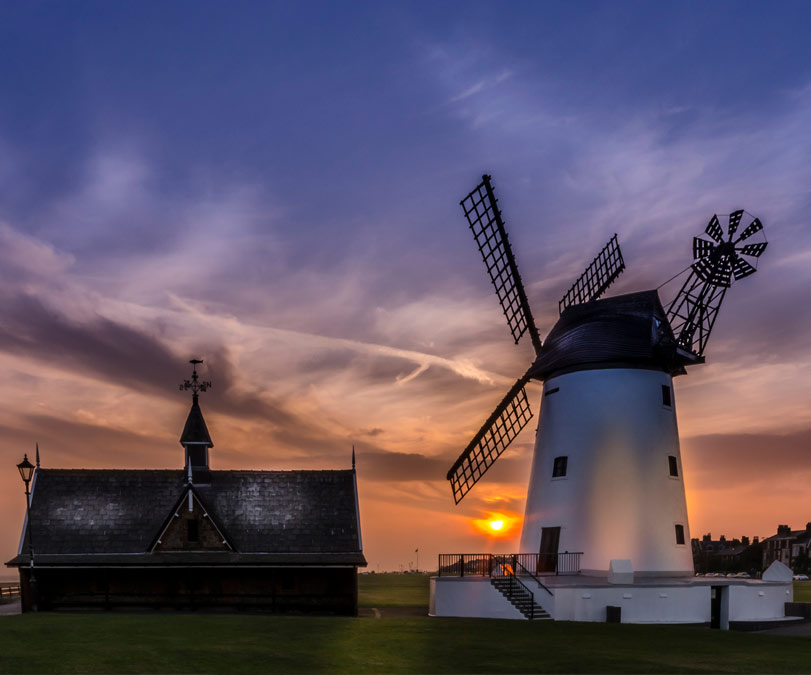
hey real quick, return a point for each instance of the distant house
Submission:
(801, 552)
(726, 555)
(283, 541)
(788, 546)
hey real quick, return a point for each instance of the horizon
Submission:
(276, 190)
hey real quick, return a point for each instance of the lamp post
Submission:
(26, 470)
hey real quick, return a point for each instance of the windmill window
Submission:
(674, 466)
(192, 531)
(667, 396)
(679, 534)
(559, 467)
(554, 390)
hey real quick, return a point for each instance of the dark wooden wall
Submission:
(281, 590)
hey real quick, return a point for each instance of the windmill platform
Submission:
(476, 587)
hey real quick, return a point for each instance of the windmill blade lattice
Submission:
(719, 261)
(484, 218)
(597, 277)
(500, 429)
(717, 265)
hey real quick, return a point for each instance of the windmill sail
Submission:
(500, 429)
(597, 277)
(484, 218)
(717, 264)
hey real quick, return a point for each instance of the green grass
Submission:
(218, 643)
(393, 590)
(802, 591)
(184, 643)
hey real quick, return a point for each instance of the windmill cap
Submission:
(624, 331)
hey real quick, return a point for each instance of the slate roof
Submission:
(629, 330)
(306, 515)
(195, 429)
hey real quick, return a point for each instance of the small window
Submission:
(559, 468)
(667, 396)
(680, 534)
(554, 390)
(674, 466)
(192, 530)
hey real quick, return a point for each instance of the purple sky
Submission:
(274, 187)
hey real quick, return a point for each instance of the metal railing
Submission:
(505, 568)
(521, 570)
(510, 565)
(525, 564)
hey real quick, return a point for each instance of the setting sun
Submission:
(497, 524)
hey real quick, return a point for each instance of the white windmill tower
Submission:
(606, 476)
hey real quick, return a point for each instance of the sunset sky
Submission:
(274, 188)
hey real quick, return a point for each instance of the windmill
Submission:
(606, 473)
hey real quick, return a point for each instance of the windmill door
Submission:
(548, 558)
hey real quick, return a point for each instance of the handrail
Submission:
(532, 564)
(518, 565)
(531, 594)
(503, 569)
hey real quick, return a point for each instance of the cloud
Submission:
(26, 259)
(400, 466)
(470, 91)
(740, 459)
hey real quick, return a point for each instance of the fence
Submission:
(9, 591)
(522, 564)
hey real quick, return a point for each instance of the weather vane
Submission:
(195, 384)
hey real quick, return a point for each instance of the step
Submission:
(522, 600)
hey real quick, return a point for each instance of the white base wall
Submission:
(747, 603)
(639, 605)
(673, 603)
(471, 597)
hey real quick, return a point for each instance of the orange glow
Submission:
(499, 525)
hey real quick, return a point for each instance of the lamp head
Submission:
(26, 470)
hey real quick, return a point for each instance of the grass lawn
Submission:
(393, 590)
(239, 643)
(185, 643)
(802, 591)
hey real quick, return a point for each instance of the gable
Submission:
(285, 511)
(190, 527)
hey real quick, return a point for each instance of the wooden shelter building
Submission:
(280, 541)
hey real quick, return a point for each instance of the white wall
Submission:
(752, 603)
(617, 499)
(476, 597)
(645, 605)
(469, 596)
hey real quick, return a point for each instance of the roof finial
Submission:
(38, 454)
(195, 384)
(353, 457)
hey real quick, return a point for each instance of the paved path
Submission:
(797, 629)
(11, 608)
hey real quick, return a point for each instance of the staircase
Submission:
(520, 597)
